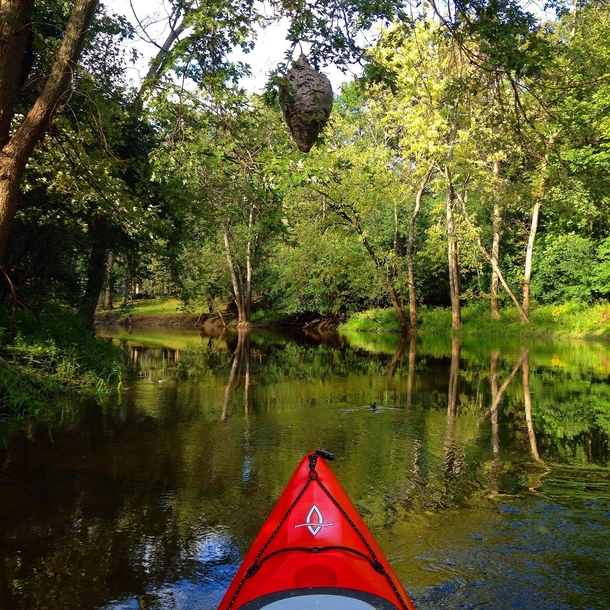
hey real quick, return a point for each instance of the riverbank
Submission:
(157, 312)
(570, 320)
(49, 356)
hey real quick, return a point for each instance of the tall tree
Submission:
(18, 145)
(360, 184)
(229, 163)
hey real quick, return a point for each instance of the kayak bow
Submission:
(315, 551)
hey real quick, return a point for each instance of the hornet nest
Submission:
(307, 99)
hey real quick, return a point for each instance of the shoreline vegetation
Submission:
(45, 358)
(56, 356)
(572, 320)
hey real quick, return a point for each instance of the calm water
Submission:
(483, 470)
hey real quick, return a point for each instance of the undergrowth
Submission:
(49, 357)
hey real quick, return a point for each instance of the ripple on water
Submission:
(535, 554)
(215, 560)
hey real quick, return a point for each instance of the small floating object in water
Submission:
(307, 99)
(315, 551)
(372, 407)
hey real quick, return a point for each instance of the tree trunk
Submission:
(495, 248)
(126, 287)
(15, 37)
(529, 254)
(239, 290)
(109, 283)
(96, 270)
(410, 267)
(452, 250)
(529, 257)
(17, 149)
(496, 268)
(452, 254)
(396, 301)
(158, 63)
(248, 288)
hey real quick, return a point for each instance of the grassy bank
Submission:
(148, 312)
(570, 320)
(44, 359)
(575, 320)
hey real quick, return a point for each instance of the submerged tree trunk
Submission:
(398, 307)
(527, 401)
(451, 459)
(241, 360)
(397, 356)
(495, 426)
(411, 373)
(410, 266)
(18, 147)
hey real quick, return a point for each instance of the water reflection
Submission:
(486, 487)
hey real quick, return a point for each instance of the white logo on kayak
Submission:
(314, 526)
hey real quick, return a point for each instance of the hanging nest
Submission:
(307, 99)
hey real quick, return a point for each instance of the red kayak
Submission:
(315, 551)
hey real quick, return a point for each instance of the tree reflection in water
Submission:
(153, 502)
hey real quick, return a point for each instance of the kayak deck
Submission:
(321, 599)
(315, 551)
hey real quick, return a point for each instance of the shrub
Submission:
(563, 269)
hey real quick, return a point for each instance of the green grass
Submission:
(157, 307)
(574, 320)
(52, 357)
(373, 320)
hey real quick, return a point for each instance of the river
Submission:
(482, 468)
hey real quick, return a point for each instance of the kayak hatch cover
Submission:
(315, 552)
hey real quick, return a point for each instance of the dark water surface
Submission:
(483, 470)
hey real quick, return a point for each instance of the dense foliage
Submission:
(468, 164)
